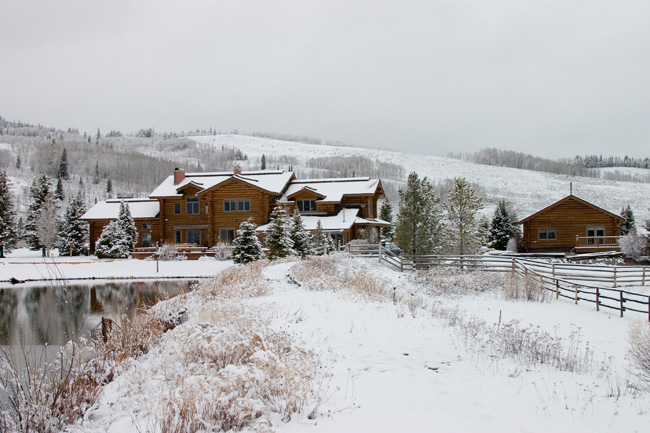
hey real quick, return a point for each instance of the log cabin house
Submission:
(571, 224)
(205, 209)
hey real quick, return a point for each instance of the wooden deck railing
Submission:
(605, 242)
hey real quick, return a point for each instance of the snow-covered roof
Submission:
(341, 221)
(272, 181)
(333, 190)
(110, 209)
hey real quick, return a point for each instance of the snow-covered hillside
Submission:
(529, 191)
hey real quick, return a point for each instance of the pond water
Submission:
(53, 315)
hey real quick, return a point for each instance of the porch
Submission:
(593, 244)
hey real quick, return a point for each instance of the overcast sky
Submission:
(551, 78)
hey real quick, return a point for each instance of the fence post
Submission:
(513, 265)
(379, 252)
(622, 300)
(614, 276)
(557, 289)
(597, 299)
(648, 308)
(553, 269)
(576, 290)
(643, 277)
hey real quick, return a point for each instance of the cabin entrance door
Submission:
(595, 235)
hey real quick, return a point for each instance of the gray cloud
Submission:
(552, 78)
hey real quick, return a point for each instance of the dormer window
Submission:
(192, 206)
(306, 205)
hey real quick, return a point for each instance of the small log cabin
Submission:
(571, 224)
(207, 208)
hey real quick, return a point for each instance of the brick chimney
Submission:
(237, 170)
(179, 175)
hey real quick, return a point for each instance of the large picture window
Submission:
(192, 206)
(226, 235)
(193, 237)
(306, 205)
(547, 235)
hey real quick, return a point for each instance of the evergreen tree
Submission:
(127, 225)
(39, 192)
(300, 237)
(109, 187)
(278, 235)
(96, 176)
(111, 242)
(419, 228)
(263, 162)
(462, 207)
(58, 193)
(246, 246)
(8, 227)
(73, 233)
(19, 163)
(503, 227)
(628, 227)
(63, 166)
(386, 214)
(322, 243)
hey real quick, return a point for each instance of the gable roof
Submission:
(110, 209)
(564, 200)
(272, 181)
(333, 190)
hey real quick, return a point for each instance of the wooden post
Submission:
(614, 276)
(379, 252)
(643, 277)
(576, 290)
(553, 269)
(648, 308)
(557, 289)
(71, 244)
(597, 299)
(622, 300)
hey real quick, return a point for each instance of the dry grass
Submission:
(46, 396)
(334, 273)
(639, 337)
(525, 287)
(237, 282)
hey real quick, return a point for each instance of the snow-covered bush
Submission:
(633, 245)
(237, 282)
(639, 337)
(47, 397)
(170, 252)
(222, 251)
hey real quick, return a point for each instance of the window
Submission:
(146, 240)
(226, 235)
(206, 207)
(146, 226)
(192, 206)
(244, 204)
(177, 236)
(229, 205)
(306, 205)
(193, 237)
(177, 208)
(547, 234)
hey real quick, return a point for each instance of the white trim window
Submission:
(306, 205)
(547, 234)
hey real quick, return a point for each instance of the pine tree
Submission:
(419, 228)
(19, 163)
(246, 246)
(8, 227)
(58, 193)
(96, 176)
(63, 166)
(278, 238)
(462, 207)
(322, 243)
(386, 214)
(263, 164)
(628, 227)
(127, 225)
(73, 233)
(111, 242)
(109, 187)
(503, 226)
(300, 237)
(39, 192)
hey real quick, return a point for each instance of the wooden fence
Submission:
(597, 284)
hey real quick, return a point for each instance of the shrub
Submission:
(633, 246)
(639, 337)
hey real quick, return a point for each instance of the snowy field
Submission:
(529, 191)
(425, 356)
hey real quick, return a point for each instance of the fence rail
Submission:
(564, 280)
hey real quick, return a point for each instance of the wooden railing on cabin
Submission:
(597, 242)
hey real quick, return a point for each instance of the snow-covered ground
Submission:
(529, 191)
(385, 366)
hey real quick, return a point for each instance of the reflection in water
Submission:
(55, 315)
